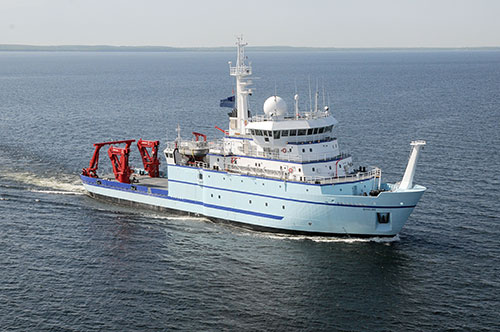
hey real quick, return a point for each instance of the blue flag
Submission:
(228, 102)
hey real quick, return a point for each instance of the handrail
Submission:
(374, 172)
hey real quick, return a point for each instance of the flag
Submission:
(228, 102)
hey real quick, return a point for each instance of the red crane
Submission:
(119, 160)
(150, 162)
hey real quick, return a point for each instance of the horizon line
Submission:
(155, 48)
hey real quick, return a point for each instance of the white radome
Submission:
(275, 106)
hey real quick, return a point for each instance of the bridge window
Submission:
(276, 134)
(315, 131)
(309, 131)
(293, 132)
(320, 131)
(258, 132)
(301, 132)
(328, 129)
(284, 133)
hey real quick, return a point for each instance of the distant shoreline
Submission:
(107, 48)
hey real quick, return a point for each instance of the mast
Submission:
(241, 71)
(407, 181)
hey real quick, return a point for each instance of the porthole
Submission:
(211, 195)
(310, 150)
(303, 150)
(266, 204)
(219, 195)
(249, 201)
(283, 207)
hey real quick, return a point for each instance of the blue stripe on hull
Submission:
(296, 200)
(142, 190)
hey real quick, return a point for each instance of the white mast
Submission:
(407, 181)
(240, 71)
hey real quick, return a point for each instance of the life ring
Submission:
(290, 170)
(283, 150)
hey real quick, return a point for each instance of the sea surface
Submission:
(71, 263)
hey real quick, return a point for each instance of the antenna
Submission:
(316, 97)
(310, 95)
(296, 97)
(324, 94)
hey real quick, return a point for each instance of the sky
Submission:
(210, 23)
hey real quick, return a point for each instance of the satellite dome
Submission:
(274, 106)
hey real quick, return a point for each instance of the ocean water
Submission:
(71, 263)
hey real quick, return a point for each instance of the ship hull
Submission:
(267, 204)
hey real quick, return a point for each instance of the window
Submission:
(309, 131)
(252, 131)
(301, 132)
(315, 131)
(320, 131)
(283, 207)
(266, 203)
(200, 176)
(266, 139)
(276, 134)
(249, 201)
(266, 133)
(313, 169)
(284, 133)
(293, 132)
(310, 150)
(303, 150)
(258, 132)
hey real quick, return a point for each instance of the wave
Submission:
(326, 239)
(61, 184)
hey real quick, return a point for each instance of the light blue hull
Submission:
(268, 204)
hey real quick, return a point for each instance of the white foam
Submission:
(56, 192)
(60, 184)
(326, 239)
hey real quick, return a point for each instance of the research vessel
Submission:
(279, 171)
